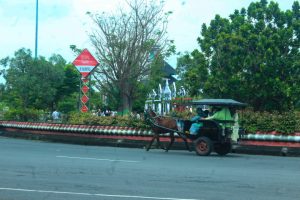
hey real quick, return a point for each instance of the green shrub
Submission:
(32, 115)
(297, 118)
(89, 119)
(284, 123)
(182, 115)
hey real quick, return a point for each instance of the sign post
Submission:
(85, 64)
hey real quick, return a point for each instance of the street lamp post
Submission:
(36, 27)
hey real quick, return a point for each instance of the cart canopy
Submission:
(219, 102)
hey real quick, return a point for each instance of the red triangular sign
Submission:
(85, 63)
(85, 58)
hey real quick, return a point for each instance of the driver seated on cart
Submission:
(218, 113)
(222, 114)
(196, 125)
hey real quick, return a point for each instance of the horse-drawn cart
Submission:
(213, 134)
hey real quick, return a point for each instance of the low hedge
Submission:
(89, 119)
(283, 123)
(31, 115)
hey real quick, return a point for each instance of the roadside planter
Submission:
(82, 129)
(271, 139)
(119, 132)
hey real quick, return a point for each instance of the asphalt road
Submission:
(33, 170)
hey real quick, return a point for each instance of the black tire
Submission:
(223, 149)
(203, 146)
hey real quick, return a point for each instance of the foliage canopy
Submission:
(252, 56)
(37, 83)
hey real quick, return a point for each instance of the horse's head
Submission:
(149, 113)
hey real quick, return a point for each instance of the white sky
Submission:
(64, 22)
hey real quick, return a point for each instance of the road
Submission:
(33, 170)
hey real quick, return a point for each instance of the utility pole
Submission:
(36, 27)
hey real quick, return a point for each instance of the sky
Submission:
(64, 22)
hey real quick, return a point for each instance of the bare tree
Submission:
(123, 43)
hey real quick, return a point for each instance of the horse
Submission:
(162, 125)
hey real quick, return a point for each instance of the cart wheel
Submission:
(203, 146)
(223, 149)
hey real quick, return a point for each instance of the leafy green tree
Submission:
(71, 83)
(31, 83)
(68, 104)
(193, 72)
(253, 56)
(67, 95)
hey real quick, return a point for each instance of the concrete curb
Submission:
(75, 139)
(266, 150)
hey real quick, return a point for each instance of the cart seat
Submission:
(185, 125)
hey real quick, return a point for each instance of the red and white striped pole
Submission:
(84, 98)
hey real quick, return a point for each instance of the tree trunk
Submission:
(125, 106)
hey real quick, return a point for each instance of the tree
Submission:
(123, 43)
(31, 83)
(192, 70)
(253, 56)
(67, 95)
(145, 87)
(71, 82)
